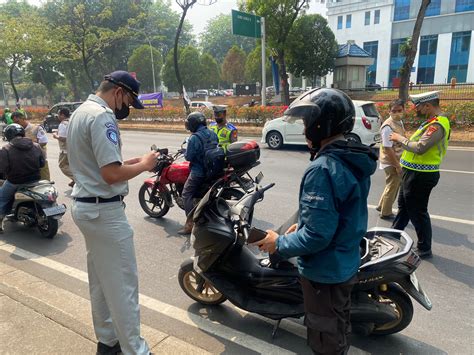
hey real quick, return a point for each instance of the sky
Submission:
(199, 15)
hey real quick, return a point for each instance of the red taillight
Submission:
(366, 123)
(249, 145)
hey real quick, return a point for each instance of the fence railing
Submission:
(458, 92)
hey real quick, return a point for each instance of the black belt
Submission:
(99, 199)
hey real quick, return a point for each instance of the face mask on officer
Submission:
(219, 118)
(124, 111)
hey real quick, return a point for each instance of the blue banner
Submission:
(152, 100)
(276, 76)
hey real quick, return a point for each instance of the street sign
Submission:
(244, 24)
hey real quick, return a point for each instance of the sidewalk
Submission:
(37, 317)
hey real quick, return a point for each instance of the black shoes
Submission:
(390, 217)
(103, 349)
(424, 254)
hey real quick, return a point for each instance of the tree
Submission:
(410, 52)
(253, 66)
(94, 32)
(20, 43)
(279, 18)
(185, 5)
(210, 76)
(140, 62)
(188, 60)
(217, 38)
(233, 68)
(312, 47)
(44, 71)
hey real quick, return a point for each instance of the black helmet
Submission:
(325, 113)
(194, 121)
(13, 130)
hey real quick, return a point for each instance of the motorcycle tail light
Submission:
(366, 123)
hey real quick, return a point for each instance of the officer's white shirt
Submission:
(93, 141)
(62, 133)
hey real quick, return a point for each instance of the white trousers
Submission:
(112, 269)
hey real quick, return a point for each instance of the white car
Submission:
(282, 131)
(202, 105)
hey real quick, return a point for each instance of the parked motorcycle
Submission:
(224, 268)
(158, 192)
(35, 205)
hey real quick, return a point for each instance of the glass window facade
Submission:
(402, 10)
(459, 58)
(339, 22)
(434, 8)
(348, 21)
(372, 48)
(367, 18)
(396, 59)
(464, 5)
(427, 59)
(376, 17)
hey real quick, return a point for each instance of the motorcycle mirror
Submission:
(154, 148)
(259, 178)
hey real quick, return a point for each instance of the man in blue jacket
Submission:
(332, 218)
(200, 138)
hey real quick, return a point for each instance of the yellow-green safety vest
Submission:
(223, 134)
(431, 159)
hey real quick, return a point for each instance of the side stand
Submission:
(275, 328)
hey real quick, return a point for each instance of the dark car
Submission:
(373, 87)
(51, 121)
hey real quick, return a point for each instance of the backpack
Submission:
(213, 159)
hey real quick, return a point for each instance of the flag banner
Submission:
(152, 100)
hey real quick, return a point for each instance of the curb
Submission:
(73, 312)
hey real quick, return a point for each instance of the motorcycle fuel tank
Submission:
(177, 173)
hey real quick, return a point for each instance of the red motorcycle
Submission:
(158, 192)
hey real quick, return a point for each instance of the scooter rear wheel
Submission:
(154, 205)
(49, 228)
(197, 288)
(397, 298)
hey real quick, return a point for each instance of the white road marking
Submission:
(456, 171)
(168, 310)
(462, 149)
(442, 218)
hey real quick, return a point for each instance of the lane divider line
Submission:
(188, 318)
(441, 218)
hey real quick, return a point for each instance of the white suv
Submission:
(366, 128)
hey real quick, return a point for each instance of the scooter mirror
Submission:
(154, 148)
(259, 178)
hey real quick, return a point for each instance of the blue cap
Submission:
(127, 82)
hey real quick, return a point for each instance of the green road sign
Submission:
(244, 24)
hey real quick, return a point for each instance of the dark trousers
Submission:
(327, 315)
(413, 198)
(190, 190)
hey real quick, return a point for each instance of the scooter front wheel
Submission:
(197, 288)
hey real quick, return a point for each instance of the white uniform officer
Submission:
(101, 175)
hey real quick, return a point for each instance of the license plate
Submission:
(53, 211)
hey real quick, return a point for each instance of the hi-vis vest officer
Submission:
(420, 161)
(101, 175)
(226, 132)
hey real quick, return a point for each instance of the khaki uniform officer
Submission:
(420, 162)
(61, 136)
(101, 175)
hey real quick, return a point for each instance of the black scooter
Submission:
(225, 268)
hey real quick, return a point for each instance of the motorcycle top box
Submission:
(243, 154)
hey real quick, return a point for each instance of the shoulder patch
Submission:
(432, 129)
(112, 135)
(231, 126)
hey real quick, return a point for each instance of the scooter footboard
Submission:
(413, 288)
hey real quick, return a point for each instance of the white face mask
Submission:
(397, 116)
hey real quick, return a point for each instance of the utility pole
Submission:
(264, 74)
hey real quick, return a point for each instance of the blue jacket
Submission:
(195, 149)
(332, 213)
